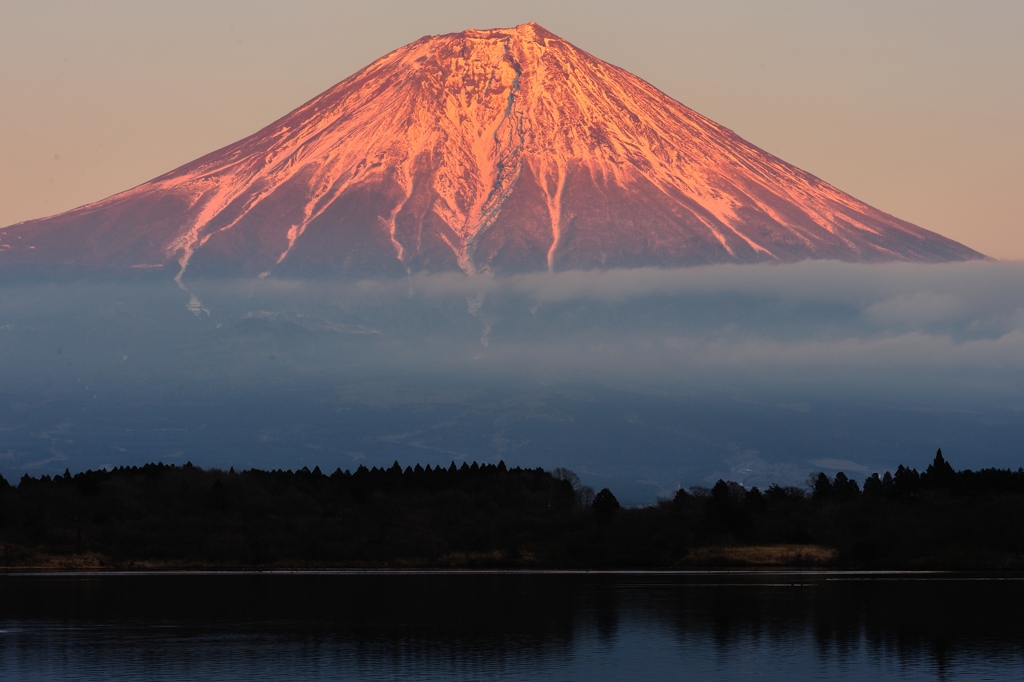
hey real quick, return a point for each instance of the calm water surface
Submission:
(511, 626)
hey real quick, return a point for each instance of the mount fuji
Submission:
(504, 150)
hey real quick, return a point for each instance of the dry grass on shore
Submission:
(761, 556)
(14, 558)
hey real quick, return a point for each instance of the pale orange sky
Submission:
(914, 106)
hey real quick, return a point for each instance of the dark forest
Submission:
(491, 516)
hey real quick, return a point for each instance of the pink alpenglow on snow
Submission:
(505, 150)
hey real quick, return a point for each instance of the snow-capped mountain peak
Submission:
(496, 150)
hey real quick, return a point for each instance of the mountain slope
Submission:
(503, 150)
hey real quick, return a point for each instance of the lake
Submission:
(511, 626)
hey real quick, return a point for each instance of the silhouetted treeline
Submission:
(167, 513)
(489, 515)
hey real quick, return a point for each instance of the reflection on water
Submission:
(510, 626)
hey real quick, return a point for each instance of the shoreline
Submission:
(823, 574)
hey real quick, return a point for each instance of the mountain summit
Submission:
(503, 150)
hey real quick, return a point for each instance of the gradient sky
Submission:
(914, 106)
